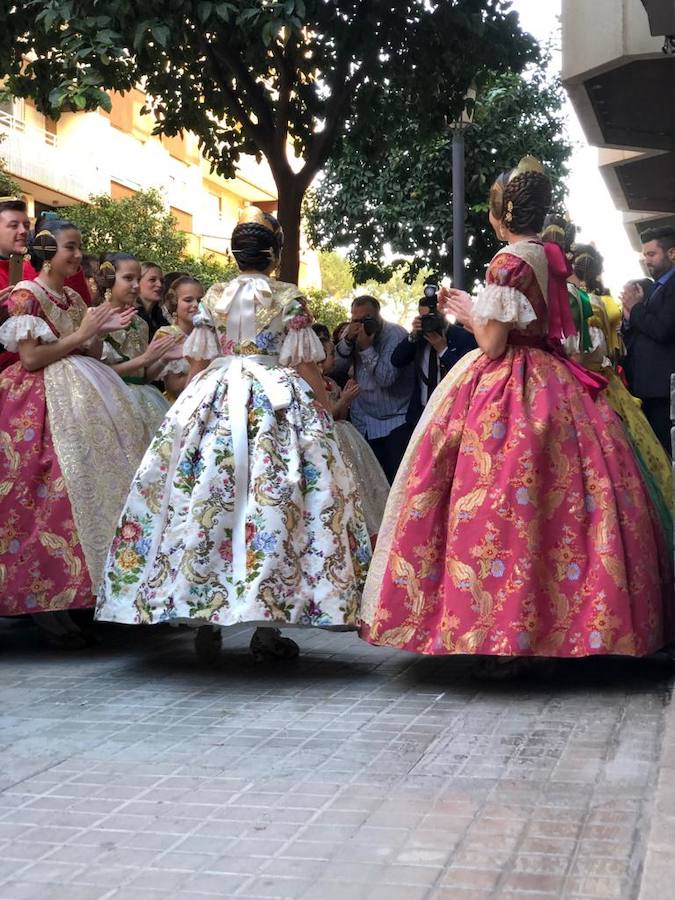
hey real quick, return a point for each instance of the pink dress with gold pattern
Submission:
(70, 442)
(518, 524)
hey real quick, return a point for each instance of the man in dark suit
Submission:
(649, 332)
(434, 347)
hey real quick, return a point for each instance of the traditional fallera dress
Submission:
(70, 442)
(371, 482)
(174, 361)
(242, 509)
(519, 524)
(124, 345)
(596, 345)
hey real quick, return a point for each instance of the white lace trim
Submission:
(502, 303)
(110, 356)
(25, 328)
(175, 367)
(301, 346)
(202, 343)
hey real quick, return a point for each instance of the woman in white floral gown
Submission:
(243, 509)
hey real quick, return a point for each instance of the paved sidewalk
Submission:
(133, 773)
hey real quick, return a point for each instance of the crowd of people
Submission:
(495, 481)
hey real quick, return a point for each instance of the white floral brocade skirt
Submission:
(228, 527)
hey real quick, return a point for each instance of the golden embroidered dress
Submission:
(519, 524)
(70, 442)
(242, 509)
(371, 482)
(602, 317)
(174, 361)
(126, 344)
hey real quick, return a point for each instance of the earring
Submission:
(46, 267)
(107, 297)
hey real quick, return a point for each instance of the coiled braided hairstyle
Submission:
(521, 203)
(587, 264)
(256, 245)
(557, 230)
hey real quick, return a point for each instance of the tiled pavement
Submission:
(133, 773)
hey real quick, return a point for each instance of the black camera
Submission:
(432, 322)
(370, 324)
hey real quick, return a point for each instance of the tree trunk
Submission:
(291, 193)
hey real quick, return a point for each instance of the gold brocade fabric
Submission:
(100, 443)
(654, 456)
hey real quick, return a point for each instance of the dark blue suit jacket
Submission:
(459, 342)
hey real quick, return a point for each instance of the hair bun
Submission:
(43, 245)
(106, 275)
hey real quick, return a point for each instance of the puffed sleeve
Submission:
(24, 322)
(202, 343)
(301, 343)
(504, 298)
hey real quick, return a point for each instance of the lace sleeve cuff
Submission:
(175, 367)
(25, 328)
(202, 343)
(301, 346)
(503, 304)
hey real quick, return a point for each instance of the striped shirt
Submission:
(382, 402)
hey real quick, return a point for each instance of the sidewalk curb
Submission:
(658, 876)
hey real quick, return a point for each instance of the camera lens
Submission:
(429, 290)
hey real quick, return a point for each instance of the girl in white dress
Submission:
(243, 509)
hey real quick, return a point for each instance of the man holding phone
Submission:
(379, 410)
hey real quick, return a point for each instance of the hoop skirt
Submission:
(242, 509)
(70, 442)
(519, 524)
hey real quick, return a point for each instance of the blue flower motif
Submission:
(363, 554)
(185, 467)
(265, 340)
(311, 473)
(29, 434)
(573, 572)
(498, 430)
(595, 640)
(14, 546)
(497, 568)
(265, 542)
(523, 640)
(522, 496)
(589, 503)
(143, 546)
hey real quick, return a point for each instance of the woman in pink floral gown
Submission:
(69, 443)
(518, 524)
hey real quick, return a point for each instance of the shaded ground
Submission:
(131, 772)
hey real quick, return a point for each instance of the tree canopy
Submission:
(398, 194)
(140, 225)
(253, 76)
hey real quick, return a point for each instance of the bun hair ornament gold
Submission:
(254, 215)
(107, 276)
(527, 164)
(44, 246)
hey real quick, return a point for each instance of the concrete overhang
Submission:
(622, 87)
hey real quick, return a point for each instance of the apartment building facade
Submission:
(86, 153)
(619, 70)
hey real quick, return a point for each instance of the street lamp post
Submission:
(459, 126)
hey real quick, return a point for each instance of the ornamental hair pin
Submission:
(508, 218)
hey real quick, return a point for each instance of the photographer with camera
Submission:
(379, 409)
(434, 347)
